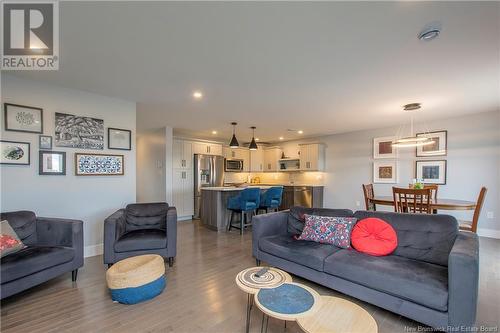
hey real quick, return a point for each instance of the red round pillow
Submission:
(374, 236)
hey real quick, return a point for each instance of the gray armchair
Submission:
(148, 228)
(53, 247)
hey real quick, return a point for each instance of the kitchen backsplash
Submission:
(313, 178)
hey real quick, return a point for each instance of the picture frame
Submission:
(385, 172)
(91, 164)
(14, 152)
(23, 118)
(119, 139)
(431, 171)
(78, 131)
(382, 147)
(52, 163)
(45, 142)
(438, 148)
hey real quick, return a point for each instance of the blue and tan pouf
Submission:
(136, 279)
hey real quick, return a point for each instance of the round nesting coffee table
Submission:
(288, 302)
(338, 315)
(251, 284)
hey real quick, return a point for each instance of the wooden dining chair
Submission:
(434, 189)
(408, 200)
(472, 225)
(369, 195)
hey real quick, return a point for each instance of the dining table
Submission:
(442, 204)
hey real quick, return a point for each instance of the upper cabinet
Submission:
(182, 154)
(257, 160)
(238, 154)
(207, 148)
(312, 157)
(271, 158)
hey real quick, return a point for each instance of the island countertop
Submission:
(262, 187)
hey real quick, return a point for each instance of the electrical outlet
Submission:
(490, 215)
(358, 204)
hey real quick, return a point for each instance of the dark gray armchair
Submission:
(148, 228)
(53, 247)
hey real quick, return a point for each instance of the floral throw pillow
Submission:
(328, 230)
(9, 242)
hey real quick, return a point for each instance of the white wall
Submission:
(89, 198)
(473, 161)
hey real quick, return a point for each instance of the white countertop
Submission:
(263, 187)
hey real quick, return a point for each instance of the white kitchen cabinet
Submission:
(182, 154)
(257, 160)
(207, 148)
(183, 192)
(238, 154)
(271, 159)
(312, 157)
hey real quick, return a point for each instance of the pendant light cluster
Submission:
(412, 140)
(234, 142)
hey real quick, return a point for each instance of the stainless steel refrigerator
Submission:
(208, 172)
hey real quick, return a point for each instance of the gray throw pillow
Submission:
(9, 241)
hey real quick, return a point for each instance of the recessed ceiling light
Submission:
(300, 131)
(281, 138)
(429, 34)
(214, 132)
(197, 94)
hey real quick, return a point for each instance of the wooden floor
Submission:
(201, 294)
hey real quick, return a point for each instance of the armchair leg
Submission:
(170, 261)
(74, 275)
(109, 266)
(257, 262)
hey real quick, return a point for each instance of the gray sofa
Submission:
(432, 276)
(53, 247)
(146, 228)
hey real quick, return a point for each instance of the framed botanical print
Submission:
(22, 118)
(15, 153)
(385, 172)
(99, 165)
(52, 162)
(431, 172)
(120, 139)
(382, 147)
(438, 147)
(45, 142)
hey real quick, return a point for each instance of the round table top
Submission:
(445, 204)
(289, 302)
(337, 315)
(249, 283)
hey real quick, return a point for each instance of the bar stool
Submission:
(245, 203)
(270, 200)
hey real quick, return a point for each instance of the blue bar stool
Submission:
(270, 200)
(246, 202)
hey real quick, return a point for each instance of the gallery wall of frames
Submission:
(86, 135)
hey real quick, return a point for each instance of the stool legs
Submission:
(230, 221)
(249, 311)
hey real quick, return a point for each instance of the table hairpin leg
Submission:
(249, 311)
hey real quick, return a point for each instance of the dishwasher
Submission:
(302, 196)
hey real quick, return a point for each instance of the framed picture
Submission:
(382, 147)
(385, 172)
(15, 153)
(79, 132)
(45, 142)
(52, 162)
(99, 165)
(437, 148)
(431, 172)
(22, 118)
(119, 139)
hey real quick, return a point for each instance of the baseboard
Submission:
(490, 233)
(92, 250)
(184, 218)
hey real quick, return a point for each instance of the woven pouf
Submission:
(136, 279)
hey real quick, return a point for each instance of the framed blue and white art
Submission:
(99, 164)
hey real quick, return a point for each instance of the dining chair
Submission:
(408, 200)
(472, 225)
(434, 189)
(369, 195)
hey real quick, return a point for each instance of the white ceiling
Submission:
(320, 67)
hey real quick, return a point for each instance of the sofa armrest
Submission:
(272, 224)
(463, 277)
(114, 227)
(61, 232)
(171, 229)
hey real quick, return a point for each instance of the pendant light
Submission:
(412, 140)
(253, 144)
(234, 142)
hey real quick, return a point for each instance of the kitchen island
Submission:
(215, 215)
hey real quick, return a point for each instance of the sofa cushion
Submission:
(296, 217)
(306, 253)
(412, 280)
(146, 216)
(374, 236)
(145, 239)
(328, 230)
(425, 237)
(33, 259)
(24, 224)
